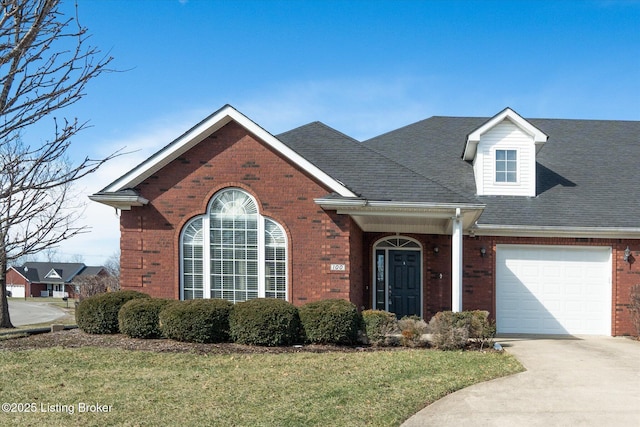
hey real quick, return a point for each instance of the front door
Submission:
(404, 283)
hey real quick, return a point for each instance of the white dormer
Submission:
(503, 153)
(53, 274)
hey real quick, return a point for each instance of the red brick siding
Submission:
(479, 272)
(14, 278)
(232, 157)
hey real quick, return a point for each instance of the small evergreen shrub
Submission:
(332, 321)
(412, 328)
(196, 320)
(266, 322)
(99, 314)
(379, 326)
(139, 318)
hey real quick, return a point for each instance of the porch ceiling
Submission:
(422, 218)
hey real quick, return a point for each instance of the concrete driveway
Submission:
(577, 381)
(31, 313)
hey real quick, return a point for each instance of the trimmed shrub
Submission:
(332, 321)
(266, 322)
(379, 326)
(412, 328)
(138, 318)
(196, 320)
(453, 330)
(99, 314)
(445, 334)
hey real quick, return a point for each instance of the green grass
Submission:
(301, 389)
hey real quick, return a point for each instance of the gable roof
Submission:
(54, 272)
(539, 138)
(120, 195)
(585, 184)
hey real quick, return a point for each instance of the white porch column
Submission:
(456, 263)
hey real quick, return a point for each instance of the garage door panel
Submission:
(553, 289)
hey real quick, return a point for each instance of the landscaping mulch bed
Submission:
(75, 338)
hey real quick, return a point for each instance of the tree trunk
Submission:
(5, 320)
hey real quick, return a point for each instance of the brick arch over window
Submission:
(233, 252)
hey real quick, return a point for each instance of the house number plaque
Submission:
(338, 267)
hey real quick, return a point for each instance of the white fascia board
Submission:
(123, 202)
(365, 208)
(549, 231)
(201, 131)
(473, 139)
(335, 204)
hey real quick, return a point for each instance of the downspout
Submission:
(456, 263)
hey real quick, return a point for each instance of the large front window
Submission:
(246, 256)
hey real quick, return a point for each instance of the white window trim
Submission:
(206, 250)
(495, 167)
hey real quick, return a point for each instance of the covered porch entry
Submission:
(401, 241)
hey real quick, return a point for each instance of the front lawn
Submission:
(140, 388)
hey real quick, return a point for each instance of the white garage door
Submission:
(17, 291)
(553, 290)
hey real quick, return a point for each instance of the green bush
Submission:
(266, 322)
(99, 314)
(453, 330)
(138, 318)
(412, 328)
(379, 326)
(332, 321)
(198, 320)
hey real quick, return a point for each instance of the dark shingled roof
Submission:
(36, 272)
(365, 172)
(585, 170)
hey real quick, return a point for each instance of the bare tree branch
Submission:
(45, 65)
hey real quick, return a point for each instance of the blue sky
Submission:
(362, 67)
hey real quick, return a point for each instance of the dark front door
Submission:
(404, 283)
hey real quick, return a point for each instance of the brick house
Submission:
(48, 279)
(530, 219)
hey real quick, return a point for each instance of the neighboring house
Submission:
(533, 220)
(48, 279)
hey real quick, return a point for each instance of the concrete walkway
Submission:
(577, 381)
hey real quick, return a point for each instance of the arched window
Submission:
(247, 252)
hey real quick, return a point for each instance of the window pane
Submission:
(275, 260)
(506, 165)
(192, 259)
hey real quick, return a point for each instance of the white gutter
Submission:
(553, 231)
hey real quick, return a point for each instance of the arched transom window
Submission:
(245, 256)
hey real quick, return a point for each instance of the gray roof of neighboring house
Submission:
(55, 272)
(585, 171)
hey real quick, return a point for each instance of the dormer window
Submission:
(506, 166)
(503, 153)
